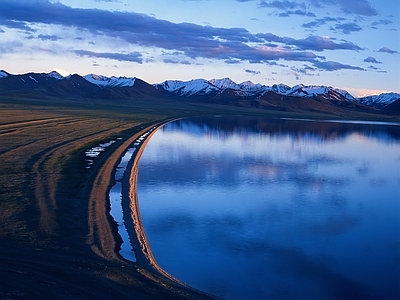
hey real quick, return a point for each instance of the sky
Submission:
(348, 44)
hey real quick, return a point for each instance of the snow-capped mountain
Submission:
(249, 89)
(225, 83)
(189, 88)
(312, 91)
(103, 81)
(223, 91)
(381, 100)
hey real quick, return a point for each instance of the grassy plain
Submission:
(50, 242)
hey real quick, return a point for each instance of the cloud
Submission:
(14, 24)
(334, 66)
(321, 21)
(289, 8)
(131, 57)
(387, 50)
(358, 7)
(297, 12)
(305, 70)
(373, 68)
(143, 30)
(176, 62)
(253, 72)
(372, 60)
(313, 42)
(382, 22)
(46, 37)
(231, 45)
(348, 28)
(232, 61)
(283, 5)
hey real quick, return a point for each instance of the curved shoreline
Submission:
(103, 237)
(131, 211)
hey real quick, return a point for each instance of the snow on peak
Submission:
(281, 88)
(103, 81)
(3, 74)
(381, 100)
(307, 91)
(250, 86)
(346, 94)
(55, 75)
(225, 83)
(188, 88)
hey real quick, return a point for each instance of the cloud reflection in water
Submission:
(274, 208)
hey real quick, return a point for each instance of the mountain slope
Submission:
(222, 91)
(379, 101)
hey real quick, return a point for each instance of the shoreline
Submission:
(103, 237)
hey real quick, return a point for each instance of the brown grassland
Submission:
(57, 240)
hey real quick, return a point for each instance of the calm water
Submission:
(275, 209)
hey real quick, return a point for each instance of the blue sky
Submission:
(348, 44)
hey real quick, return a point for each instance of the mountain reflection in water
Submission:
(248, 208)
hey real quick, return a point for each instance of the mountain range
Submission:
(221, 91)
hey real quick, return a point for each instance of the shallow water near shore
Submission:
(247, 208)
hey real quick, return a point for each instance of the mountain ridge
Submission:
(222, 90)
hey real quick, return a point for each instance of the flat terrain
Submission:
(57, 240)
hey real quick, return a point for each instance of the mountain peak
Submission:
(224, 83)
(211, 90)
(55, 75)
(103, 81)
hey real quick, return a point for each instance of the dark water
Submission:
(275, 209)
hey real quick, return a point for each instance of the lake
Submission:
(253, 208)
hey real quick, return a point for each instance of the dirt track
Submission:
(57, 240)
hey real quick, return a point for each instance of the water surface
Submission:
(275, 209)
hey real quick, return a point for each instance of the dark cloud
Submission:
(131, 57)
(387, 50)
(372, 60)
(348, 28)
(231, 45)
(46, 37)
(334, 66)
(253, 72)
(14, 24)
(190, 39)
